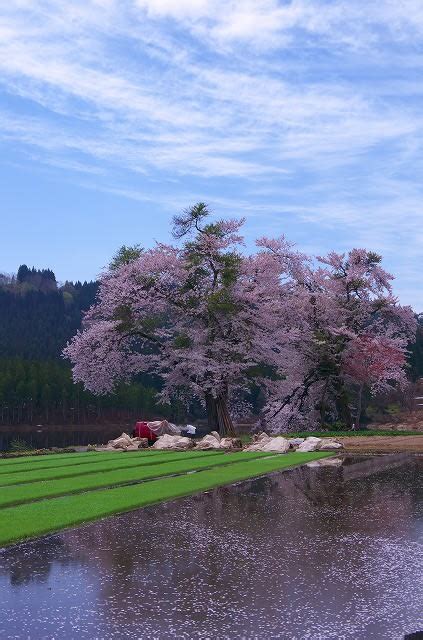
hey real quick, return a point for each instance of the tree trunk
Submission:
(323, 404)
(359, 407)
(218, 417)
(342, 406)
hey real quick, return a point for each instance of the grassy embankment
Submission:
(339, 434)
(93, 490)
(344, 434)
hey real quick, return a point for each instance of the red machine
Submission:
(142, 430)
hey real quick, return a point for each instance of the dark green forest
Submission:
(37, 317)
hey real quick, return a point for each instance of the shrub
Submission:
(18, 445)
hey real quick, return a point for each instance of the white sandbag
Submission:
(173, 442)
(278, 445)
(208, 442)
(259, 440)
(310, 444)
(295, 442)
(330, 445)
(122, 442)
(230, 443)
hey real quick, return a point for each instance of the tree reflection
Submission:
(32, 561)
(278, 537)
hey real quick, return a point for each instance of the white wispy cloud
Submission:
(305, 110)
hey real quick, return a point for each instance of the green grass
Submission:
(340, 434)
(46, 456)
(38, 518)
(87, 460)
(20, 493)
(98, 466)
(68, 458)
(97, 463)
(343, 434)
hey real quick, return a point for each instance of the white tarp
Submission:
(163, 427)
(189, 429)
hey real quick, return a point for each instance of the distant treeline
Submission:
(36, 392)
(37, 317)
(416, 353)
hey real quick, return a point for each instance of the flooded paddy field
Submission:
(321, 551)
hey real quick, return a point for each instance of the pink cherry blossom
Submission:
(212, 320)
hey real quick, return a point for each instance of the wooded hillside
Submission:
(37, 318)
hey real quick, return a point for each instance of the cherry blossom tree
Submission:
(212, 320)
(376, 363)
(206, 317)
(355, 336)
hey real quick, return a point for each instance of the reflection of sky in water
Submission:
(322, 552)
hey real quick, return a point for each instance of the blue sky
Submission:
(305, 117)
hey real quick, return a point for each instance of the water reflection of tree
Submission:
(32, 562)
(254, 542)
(250, 542)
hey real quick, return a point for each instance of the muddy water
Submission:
(315, 552)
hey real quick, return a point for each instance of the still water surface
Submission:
(311, 553)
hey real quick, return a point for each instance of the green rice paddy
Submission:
(37, 499)
(119, 461)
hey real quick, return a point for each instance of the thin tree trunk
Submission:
(218, 417)
(343, 408)
(323, 404)
(359, 407)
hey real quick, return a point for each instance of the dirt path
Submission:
(382, 444)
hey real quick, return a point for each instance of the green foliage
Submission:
(125, 255)
(35, 453)
(371, 411)
(37, 317)
(416, 353)
(37, 392)
(221, 302)
(23, 273)
(191, 218)
(123, 315)
(373, 258)
(68, 299)
(336, 426)
(393, 409)
(230, 264)
(181, 342)
(18, 445)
